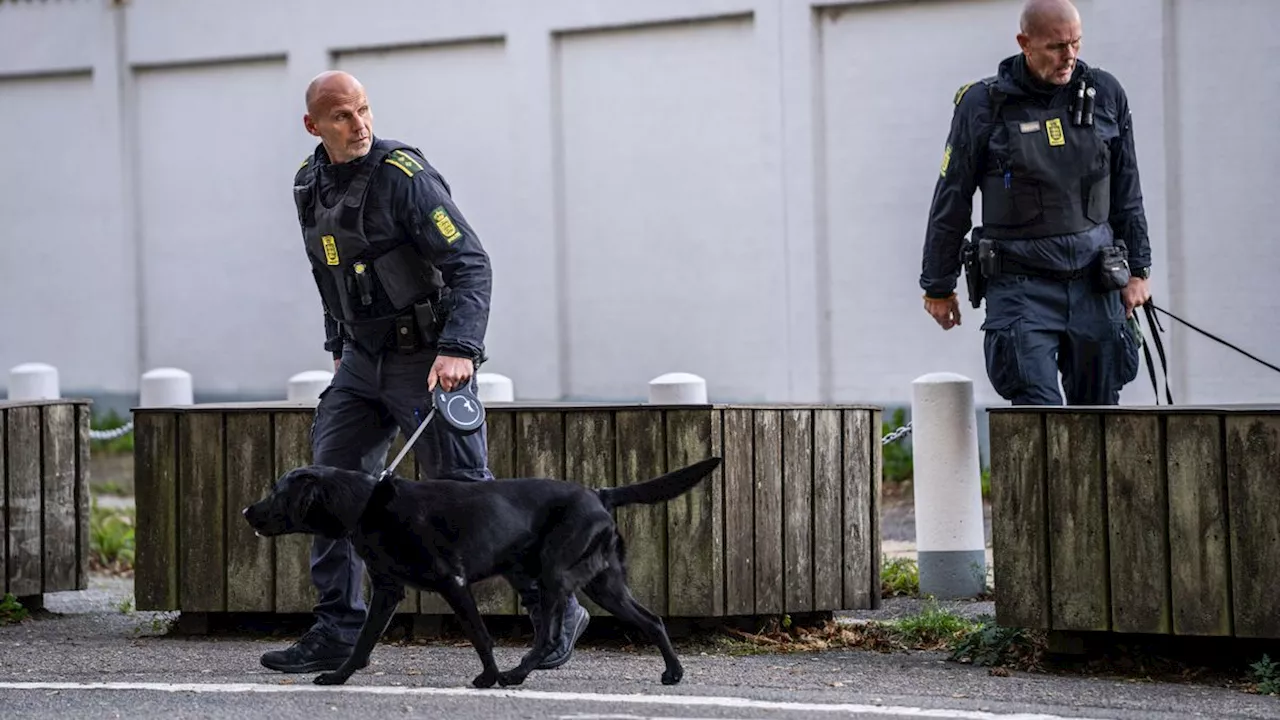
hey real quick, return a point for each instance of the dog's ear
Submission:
(318, 514)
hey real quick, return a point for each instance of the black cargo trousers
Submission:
(371, 398)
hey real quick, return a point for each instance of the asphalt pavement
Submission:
(90, 656)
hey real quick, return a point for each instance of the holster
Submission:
(975, 274)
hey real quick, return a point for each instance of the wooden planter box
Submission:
(788, 524)
(1137, 520)
(44, 498)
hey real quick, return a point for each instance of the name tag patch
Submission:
(1030, 127)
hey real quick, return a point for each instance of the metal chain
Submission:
(113, 433)
(898, 434)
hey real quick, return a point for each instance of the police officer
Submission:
(1063, 246)
(405, 285)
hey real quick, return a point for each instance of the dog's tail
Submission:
(659, 489)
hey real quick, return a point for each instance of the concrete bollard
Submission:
(163, 387)
(33, 381)
(678, 388)
(493, 387)
(307, 385)
(948, 487)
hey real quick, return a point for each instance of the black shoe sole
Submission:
(327, 665)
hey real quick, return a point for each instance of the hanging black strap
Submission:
(1155, 330)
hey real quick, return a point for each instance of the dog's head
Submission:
(307, 500)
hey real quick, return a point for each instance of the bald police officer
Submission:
(1063, 246)
(405, 285)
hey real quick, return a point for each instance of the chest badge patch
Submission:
(330, 249)
(1054, 128)
(445, 225)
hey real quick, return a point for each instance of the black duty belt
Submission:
(1009, 266)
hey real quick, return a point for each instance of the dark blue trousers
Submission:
(1037, 328)
(370, 399)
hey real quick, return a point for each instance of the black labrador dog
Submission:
(444, 535)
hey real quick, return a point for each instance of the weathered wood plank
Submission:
(1079, 578)
(797, 503)
(26, 552)
(1253, 454)
(828, 483)
(292, 448)
(1200, 582)
(495, 596)
(1019, 519)
(58, 452)
(590, 455)
(739, 512)
(251, 584)
(642, 453)
(768, 512)
(201, 513)
(875, 480)
(155, 479)
(857, 509)
(1137, 508)
(4, 509)
(83, 495)
(695, 533)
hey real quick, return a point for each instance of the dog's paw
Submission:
(485, 679)
(330, 678)
(671, 677)
(510, 677)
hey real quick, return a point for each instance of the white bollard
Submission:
(33, 381)
(948, 487)
(678, 388)
(493, 387)
(163, 387)
(307, 385)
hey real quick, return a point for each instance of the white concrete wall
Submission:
(736, 188)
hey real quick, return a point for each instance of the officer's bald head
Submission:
(1050, 39)
(1040, 15)
(338, 113)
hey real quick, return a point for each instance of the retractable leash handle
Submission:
(459, 407)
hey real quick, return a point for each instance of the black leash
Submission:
(1150, 309)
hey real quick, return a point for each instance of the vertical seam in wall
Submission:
(559, 242)
(132, 227)
(821, 238)
(788, 241)
(1176, 262)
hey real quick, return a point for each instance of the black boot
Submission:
(315, 651)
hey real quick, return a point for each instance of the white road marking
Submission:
(674, 700)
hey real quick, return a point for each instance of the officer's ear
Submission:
(310, 124)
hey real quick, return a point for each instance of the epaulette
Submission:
(986, 81)
(404, 161)
(305, 161)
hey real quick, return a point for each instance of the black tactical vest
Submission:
(363, 285)
(1052, 177)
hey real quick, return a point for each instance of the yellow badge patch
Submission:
(960, 93)
(946, 159)
(1054, 128)
(445, 225)
(330, 249)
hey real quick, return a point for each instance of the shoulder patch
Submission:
(444, 223)
(404, 161)
(960, 93)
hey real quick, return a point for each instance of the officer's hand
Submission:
(945, 311)
(1135, 294)
(449, 372)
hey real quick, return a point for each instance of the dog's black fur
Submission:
(443, 535)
